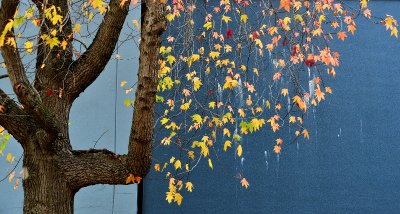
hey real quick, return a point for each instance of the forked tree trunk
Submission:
(54, 171)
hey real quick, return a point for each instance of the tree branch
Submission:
(91, 167)
(56, 59)
(89, 66)
(26, 93)
(140, 140)
(14, 119)
(85, 168)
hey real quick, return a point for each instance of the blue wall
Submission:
(351, 164)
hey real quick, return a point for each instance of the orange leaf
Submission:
(342, 35)
(285, 4)
(277, 149)
(245, 183)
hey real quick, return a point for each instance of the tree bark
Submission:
(45, 188)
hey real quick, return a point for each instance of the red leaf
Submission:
(229, 34)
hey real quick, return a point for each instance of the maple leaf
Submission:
(277, 149)
(226, 19)
(394, 32)
(292, 119)
(285, 4)
(351, 28)
(170, 197)
(328, 90)
(244, 183)
(214, 54)
(319, 94)
(341, 35)
(178, 198)
(157, 167)
(178, 164)
(229, 34)
(189, 186)
(207, 25)
(227, 144)
(244, 18)
(285, 91)
(305, 134)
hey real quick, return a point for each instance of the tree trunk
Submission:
(45, 188)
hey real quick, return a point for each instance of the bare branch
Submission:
(89, 66)
(14, 119)
(85, 168)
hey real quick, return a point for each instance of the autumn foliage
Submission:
(226, 69)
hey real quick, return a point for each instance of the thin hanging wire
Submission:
(115, 119)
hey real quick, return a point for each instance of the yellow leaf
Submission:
(211, 105)
(268, 104)
(172, 159)
(292, 119)
(7, 28)
(321, 18)
(244, 18)
(28, 46)
(123, 83)
(77, 28)
(208, 25)
(227, 132)
(196, 83)
(226, 19)
(239, 150)
(9, 158)
(227, 144)
(241, 112)
(170, 197)
(287, 20)
(210, 163)
(191, 154)
(178, 164)
(136, 23)
(285, 91)
(178, 198)
(52, 42)
(170, 17)
(394, 32)
(189, 186)
(214, 54)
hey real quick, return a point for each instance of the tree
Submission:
(56, 171)
(206, 54)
